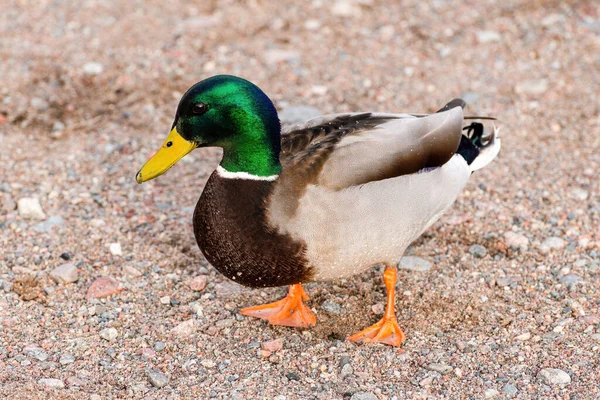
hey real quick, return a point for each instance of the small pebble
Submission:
(477, 250)
(347, 370)
(93, 68)
(159, 346)
(570, 280)
(225, 323)
(198, 283)
(157, 378)
(66, 273)
(197, 308)
(554, 376)
(30, 208)
(109, 334)
(580, 194)
(441, 368)
(488, 36)
(103, 287)
(272, 345)
(131, 271)
(47, 225)
(332, 307)
(345, 8)
(516, 240)
(414, 264)
(115, 249)
(510, 389)
(52, 383)
(378, 309)
(67, 359)
(36, 352)
(184, 329)
(552, 243)
(491, 393)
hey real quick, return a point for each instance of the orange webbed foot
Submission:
(290, 311)
(385, 331)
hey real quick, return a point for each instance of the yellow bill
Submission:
(172, 150)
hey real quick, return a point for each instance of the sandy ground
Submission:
(88, 92)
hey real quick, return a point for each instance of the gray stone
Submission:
(552, 243)
(184, 329)
(347, 370)
(35, 351)
(157, 378)
(441, 368)
(554, 376)
(109, 334)
(516, 240)
(478, 250)
(225, 323)
(159, 346)
(363, 396)
(509, 280)
(67, 359)
(510, 389)
(570, 280)
(47, 225)
(52, 383)
(332, 307)
(297, 114)
(414, 264)
(66, 273)
(197, 308)
(30, 208)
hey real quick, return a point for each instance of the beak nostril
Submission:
(169, 143)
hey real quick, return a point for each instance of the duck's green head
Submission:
(228, 112)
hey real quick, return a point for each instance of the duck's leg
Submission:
(386, 330)
(289, 311)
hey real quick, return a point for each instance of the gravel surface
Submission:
(104, 294)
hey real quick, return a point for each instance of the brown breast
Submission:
(231, 230)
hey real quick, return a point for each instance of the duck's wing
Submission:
(344, 150)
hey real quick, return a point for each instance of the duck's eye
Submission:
(199, 108)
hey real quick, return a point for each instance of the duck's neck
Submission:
(257, 154)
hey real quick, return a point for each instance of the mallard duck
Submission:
(325, 200)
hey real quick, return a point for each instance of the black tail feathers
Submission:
(471, 142)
